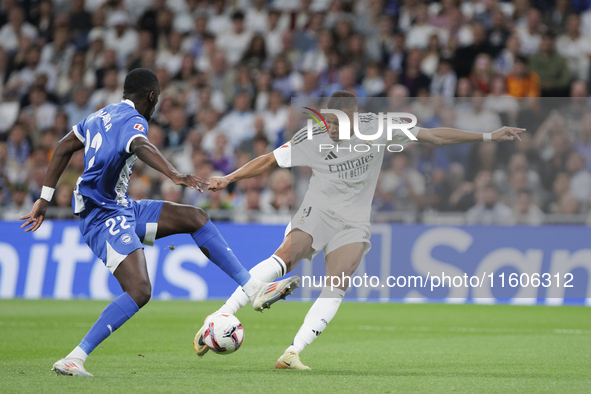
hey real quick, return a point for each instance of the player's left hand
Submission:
(36, 216)
(191, 181)
(507, 134)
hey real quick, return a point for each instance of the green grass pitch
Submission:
(368, 347)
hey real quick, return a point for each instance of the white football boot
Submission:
(270, 293)
(198, 344)
(70, 367)
(290, 360)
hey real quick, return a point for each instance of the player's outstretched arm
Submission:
(59, 160)
(251, 169)
(449, 136)
(149, 154)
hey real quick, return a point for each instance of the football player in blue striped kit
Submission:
(116, 227)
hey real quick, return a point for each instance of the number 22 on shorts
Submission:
(111, 223)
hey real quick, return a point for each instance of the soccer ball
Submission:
(224, 333)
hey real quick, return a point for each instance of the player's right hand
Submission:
(191, 181)
(36, 216)
(218, 183)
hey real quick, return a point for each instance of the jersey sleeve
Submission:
(136, 127)
(283, 155)
(78, 130)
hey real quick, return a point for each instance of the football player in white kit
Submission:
(335, 213)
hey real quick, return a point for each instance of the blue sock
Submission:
(214, 246)
(120, 310)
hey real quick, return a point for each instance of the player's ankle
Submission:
(293, 348)
(252, 287)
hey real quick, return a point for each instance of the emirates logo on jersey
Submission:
(138, 127)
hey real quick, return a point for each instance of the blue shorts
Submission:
(112, 234)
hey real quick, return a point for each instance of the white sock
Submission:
(252, 286)
(266, 271)
(78, 353)
(319, 315)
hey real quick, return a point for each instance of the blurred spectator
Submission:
(60, 51)
(530, 35)
(278, 197)
(170, 191)
(498, 33)
(238, 124)
(21, 80)
(555, 18)
(256, 53)
(482, 73)
(506, 58)
(373, 83)
(465, 195)
(80, 107)
(420, 31)
(477, 118)
(583, 145)
(580, 178)
(18, 147)
(500, 102)
(120, 36)
(526, 212)
(21, 203)
(431, 57)
(310, 86)
(208, 128)
(317, 59)
(43, 18)
(522, 82)
(399, 187)
(16, 28)
(110, 94)
(465, 56)
(274, 33)
(177, 129)
(80, 23)
(219, 19)
(41, 110)
(490, 211)
(552, 69)
(275, 118)
(171, 58)
(412, 77)
(62, 204)
(286, 81)
(444, 80)
(222, 157)
(567, 205)
(575, 47)
(234, 40)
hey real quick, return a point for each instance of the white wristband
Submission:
(47, 193)
(487, 137)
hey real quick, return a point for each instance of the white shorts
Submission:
(328, 233)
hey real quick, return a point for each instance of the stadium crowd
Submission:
(228, 70)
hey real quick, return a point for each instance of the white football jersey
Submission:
(344, 177)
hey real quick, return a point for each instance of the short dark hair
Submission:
(237, 15)
(522, 59)
(341, 99)
(140, 81)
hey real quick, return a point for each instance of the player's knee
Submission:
(199, 217)
(142, 294)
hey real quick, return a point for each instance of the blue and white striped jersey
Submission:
(107, 135)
